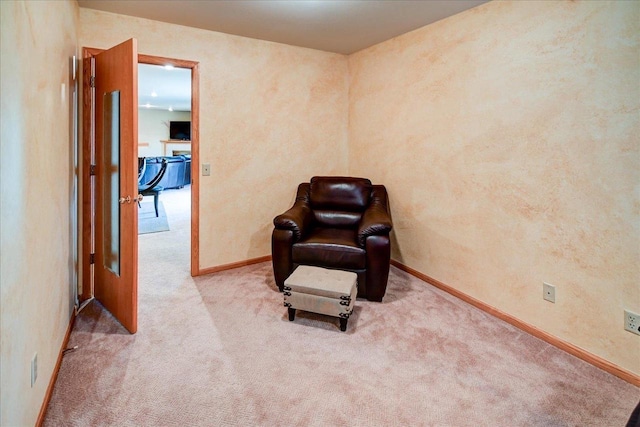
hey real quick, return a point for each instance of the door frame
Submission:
(88, 158)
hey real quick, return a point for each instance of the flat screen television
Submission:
(180, 130)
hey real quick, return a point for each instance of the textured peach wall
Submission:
(508, 139)
(36, 197)
(271, 116)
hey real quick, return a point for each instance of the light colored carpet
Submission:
(148, 222)
(219, 350)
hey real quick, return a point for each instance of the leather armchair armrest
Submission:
(376, 220)
(299, 217)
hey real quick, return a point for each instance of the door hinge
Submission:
(92, 170)
(92, 82)
(92, 258)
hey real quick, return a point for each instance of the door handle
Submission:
(128, 199)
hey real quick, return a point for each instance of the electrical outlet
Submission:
(549, 292)
(632, 322)
(34, 369)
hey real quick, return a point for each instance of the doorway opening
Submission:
(190, 190)
(164, 152)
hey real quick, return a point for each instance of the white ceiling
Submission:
(341, 26)
(172, 88)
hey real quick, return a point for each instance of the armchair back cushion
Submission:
(337, 202)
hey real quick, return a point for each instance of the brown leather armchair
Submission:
(340, 223)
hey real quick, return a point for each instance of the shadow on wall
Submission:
(258, 239)
(396, 253)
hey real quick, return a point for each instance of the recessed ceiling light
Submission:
(170, 108)
(147, 105)
(154, 94)
(168, 67)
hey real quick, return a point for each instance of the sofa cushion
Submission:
(330, 247)
(339, 193)
(176, 175)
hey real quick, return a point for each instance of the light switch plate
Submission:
(34, 369)
(549, 292)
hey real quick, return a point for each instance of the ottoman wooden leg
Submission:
(292, 314)
(343, 323)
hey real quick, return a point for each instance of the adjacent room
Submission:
(164, 133)
(504, 132)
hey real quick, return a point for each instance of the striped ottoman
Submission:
(320, 290)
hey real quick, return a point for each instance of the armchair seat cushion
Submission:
(330, 247)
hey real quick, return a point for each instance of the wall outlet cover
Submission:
(632, 322)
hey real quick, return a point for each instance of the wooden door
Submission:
(116, 169)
